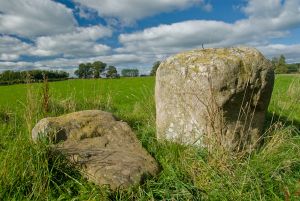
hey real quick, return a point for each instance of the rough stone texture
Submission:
(213, 95)
(106, 150)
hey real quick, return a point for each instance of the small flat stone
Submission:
(106, 150)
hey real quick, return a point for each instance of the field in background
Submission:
(124, 93)
(30, 171)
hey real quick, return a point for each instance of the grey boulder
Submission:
(213, 97)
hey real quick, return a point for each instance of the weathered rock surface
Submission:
(213, 96)
(106, 150)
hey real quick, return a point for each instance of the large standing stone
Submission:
(213, 96)
(106, 150)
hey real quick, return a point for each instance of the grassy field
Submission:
(29, 171)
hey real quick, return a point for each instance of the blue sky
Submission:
(60, 34)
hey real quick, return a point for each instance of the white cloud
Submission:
(14, 65)
(9, 57)
(31, 18)
(83, 42)
(135, 60)
(255, 30)
(128, 11)
(266, 8)
(114, 59)
(291, 52)
(265, 21)
(274, 14)
(80, 43)
(11, 48)
(177, 36)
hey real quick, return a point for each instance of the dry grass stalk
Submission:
(217, 139)
(45, 94)
(31, 105)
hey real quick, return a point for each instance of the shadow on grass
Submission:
(272, 118)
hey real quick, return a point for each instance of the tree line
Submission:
(97, 69)
(281, 66)
(15, 77)
(127, 72)
(133, 72)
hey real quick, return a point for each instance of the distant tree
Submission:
(124, 72)
(6, 75)
(80, 71)
(280, 64)
(154, 68)
(88, 70)
(84, 70)
(11, 77)
(98, 68)
(275, 61)
(130, 72)
(111, 72)
(293, 68)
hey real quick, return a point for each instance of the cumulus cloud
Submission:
(11, 48)
(128, 11)
(15, 65)
(70, 44)
(175, 37)
(291, 52)
(79, 43)
(31, 18)
(127, 60)
(115, 59)
(266, 8)
(261, 25)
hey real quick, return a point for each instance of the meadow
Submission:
(30, 171)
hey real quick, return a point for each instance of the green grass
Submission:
(30, 171)
(285, 102)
